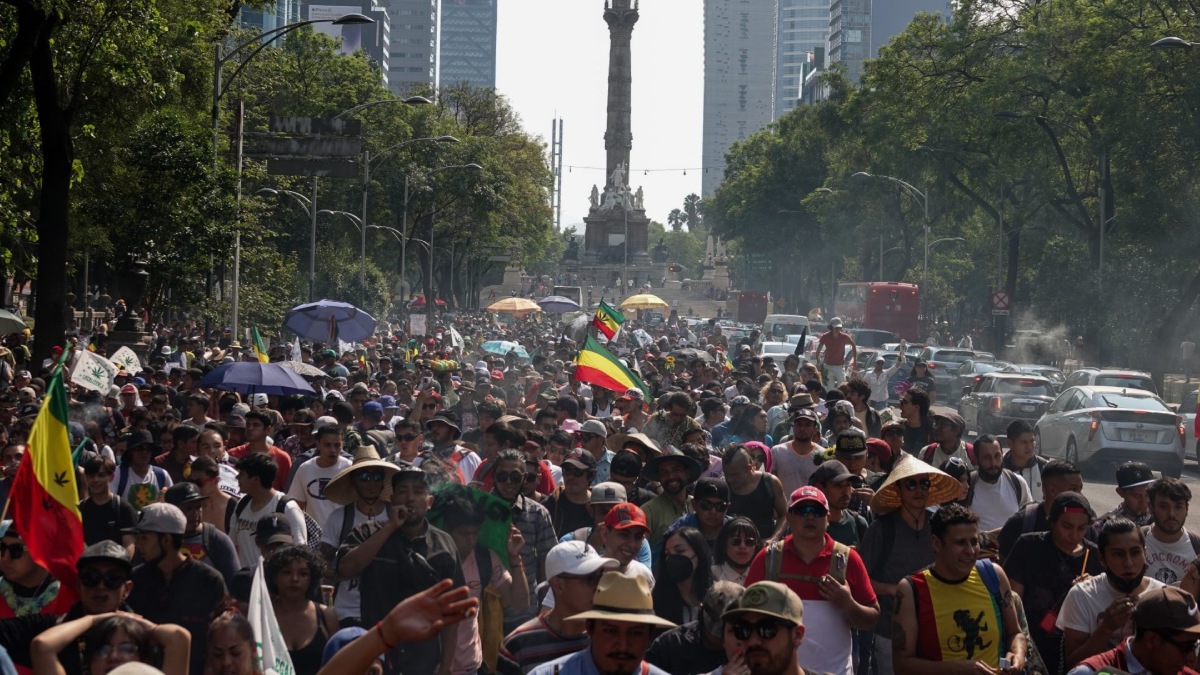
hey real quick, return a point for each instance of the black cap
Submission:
(830, 470)
(1134, 474)
(138, 438)
(581, 459)
(106, 551)
(851, 443)
(626, 463)
(184, 493)
(273, 529)
(709, 487)
(1071, 502)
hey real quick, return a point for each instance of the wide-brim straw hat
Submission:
(617, 443)
(340, 490)
(694, 469)
(943, 487)
(623, 598)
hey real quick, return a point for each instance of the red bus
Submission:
(881, 305)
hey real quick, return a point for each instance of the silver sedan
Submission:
(1110, 425)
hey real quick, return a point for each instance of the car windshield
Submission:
(983, 367)
(782, 329)
(1128, 381)
(1023, 387)
(1129, 401)
(778, 348)
(946, 356)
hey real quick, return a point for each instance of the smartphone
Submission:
(326, 594)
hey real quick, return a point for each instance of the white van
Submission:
(776, 327)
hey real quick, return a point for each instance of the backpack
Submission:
(1013, 483)
(1193, 539)
(837, 566)
(927, 453)
(312, 529)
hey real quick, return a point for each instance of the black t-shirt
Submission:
(1015, 526)
(682, 650)
(105, 521)
(566, 515)
(1046, 573)
(916, 438)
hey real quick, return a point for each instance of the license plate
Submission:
(1137, 436)
(1028, 408)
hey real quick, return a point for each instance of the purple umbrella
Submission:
(329, 321)
(252, 377)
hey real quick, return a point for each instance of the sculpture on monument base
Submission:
(637, 198)
(595, 198)
(659, 254)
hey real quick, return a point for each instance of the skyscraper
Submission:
(373, 38)
(850, 35)
(889, 18)
(468, 43)
(803, 27)
(284, 12)
(739, 86)
(412, 60)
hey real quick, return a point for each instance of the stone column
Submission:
(620, 15)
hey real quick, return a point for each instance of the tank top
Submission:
(758, 505)
(957, 620)
(307, 659)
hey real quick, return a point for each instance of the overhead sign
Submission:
(1001, 301)
(999, 312)
(323, 168)
(315, 126)
(94, 372)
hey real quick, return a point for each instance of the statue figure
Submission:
(617, 179)
(637, 198)
(609, 200)
(595, 197)
(659, 255)
(572, 252)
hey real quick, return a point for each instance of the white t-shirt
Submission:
(243, 529)
(309, 487)
(1168, 562)
(828, 645)
(140, 490)
(348, 602)
(793, 470)
(1086, 602)
(468, 464)
(995, 502)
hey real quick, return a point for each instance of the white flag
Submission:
(126, 357)
(273, 657)
(456, 339)
(344, 347)
(94, 372)
(296, 350)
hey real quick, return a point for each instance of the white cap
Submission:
(576, 557)
(481, 365)
(258, 400)
(324, 421)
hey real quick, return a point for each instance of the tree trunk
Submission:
(54, 208)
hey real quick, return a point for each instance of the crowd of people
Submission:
(434, 508)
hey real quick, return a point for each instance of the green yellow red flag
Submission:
(44, 497)
(597, 366)
(608, 320)
(260, 348)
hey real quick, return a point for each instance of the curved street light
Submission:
(411, 100)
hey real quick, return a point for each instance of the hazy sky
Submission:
(552, 59)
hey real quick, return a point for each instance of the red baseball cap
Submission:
(808, 493)
(626, 515)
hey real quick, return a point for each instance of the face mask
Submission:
(679, 568)
(1125, 586)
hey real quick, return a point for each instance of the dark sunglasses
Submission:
(92, 578)
(532, 476)
(766, 629)
(370, 476)
(911, 484)
(406, 438)
(510, 476)
(744, 541)
(429, 406)
(713, 506)
(14, 551)
(808, 511)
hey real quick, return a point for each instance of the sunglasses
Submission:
(510, 476)
(713, 506)
(370, 476)
(744, 541)
(765, 629)
(912, 484)
(532, 476)
(808, 511)
(92, 578)
(585, 437)
(429, 406)
(14, 551)
(406, 438)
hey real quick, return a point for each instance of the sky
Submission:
(552, 60)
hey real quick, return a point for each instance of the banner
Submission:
(94, 372)
(128, 358)
(456, 339)
(273, 657)
(416, 324)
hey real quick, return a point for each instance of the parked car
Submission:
(1051, 373)
(968, 375)
(1111, 377)
(1187, 410)
(1094, 424)
(870, 337)
(943, 361)
(776, 350)
(999, 398)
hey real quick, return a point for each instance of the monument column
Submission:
(620, 15)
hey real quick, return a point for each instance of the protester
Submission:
(104, 513)
(698, 646)
(1166, 627)
(1170, 547)
(203, 541)
(293, 575)
(675, 471)
(770, 644)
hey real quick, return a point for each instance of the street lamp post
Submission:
(310, 208)
(220, 57)
(429, 304)
(923, 198)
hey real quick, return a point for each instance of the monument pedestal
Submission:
(605, 236)
(138, 341)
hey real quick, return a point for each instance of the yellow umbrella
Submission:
(515, 306)
(644, 301)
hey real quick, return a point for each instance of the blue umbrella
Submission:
(503, 347)
(252, 377)
(557, 304)
(329, 321)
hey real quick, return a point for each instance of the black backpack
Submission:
(312, 529)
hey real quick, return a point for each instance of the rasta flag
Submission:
(260, 348)
(597, 366)
(608, 320)
(44, 497)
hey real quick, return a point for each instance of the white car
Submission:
(776, 350)
(1187, 410)
(1092, 424)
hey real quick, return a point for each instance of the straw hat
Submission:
(622, 598)
(617, 443)
(943, 488)
(340, 490)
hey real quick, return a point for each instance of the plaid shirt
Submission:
(533, 520)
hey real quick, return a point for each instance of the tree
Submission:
(691, 207)
(676, 219)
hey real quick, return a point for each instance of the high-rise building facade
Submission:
(739, 68)
(283, 12)
(467, 46)
(889, 18)
(802, 28)
(374, 39)
(413, 56)
(850, 35)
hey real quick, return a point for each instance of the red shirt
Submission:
(281, 458)
(546, 484)
(856, 572)
(835, 347)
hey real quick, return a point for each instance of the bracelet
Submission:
(379, 629)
